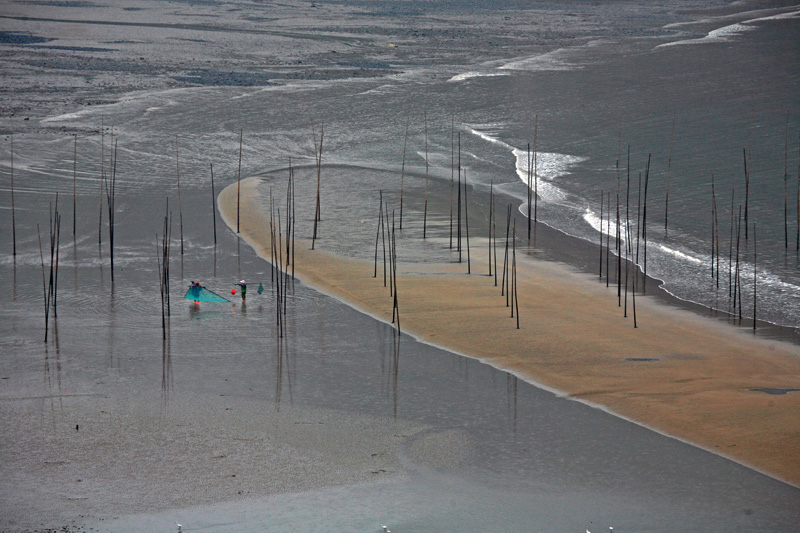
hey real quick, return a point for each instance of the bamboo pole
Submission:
(389, 238)
(425, 212)
(669, 167)
(459, 198)
(180, 204)
(318, 156)
(403, 169)
(730, 251)
(491, 215)
(535, 178)
(715, 227)
(239, 180)
(755, 275)
(644, 224)
(633, 285)
(466, 222)
(529, 183)
(737, 288)
(506, 282)
(747, 189)
(13, 208)
(494, 238)
(515, 295)
(600, 271)
(627, 222)
(608, 239)
(378, 233)
(785, 187)
(619, 241)
(75, 188)
(102, 180)
(452, 175)
(294, 222)
(213, 204)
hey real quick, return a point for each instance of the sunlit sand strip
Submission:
(679, 373)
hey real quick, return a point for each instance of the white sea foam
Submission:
(725, 33)
(679, 254)
(555, 60)
(547, 166)
(468, 75)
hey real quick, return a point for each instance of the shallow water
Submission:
(495, 452)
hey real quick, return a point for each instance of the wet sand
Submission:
(679, 373)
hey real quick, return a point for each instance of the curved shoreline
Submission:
(696, 390)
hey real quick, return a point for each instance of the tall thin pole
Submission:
(669, 167)
(619, 240)
(238, 182)
(644, 224)
(74, 187)
(13, 209)
(746, 189)
(403, 169)
(180, 205)
(785, 190)
(102, 180)
(535, 178)
(755, 275)
(452, 174)
(459, 197)
(600, 272)
(425, 212)
(213, 202)
(529, 183)
(318, 155)
(608, 237)
(466, 221)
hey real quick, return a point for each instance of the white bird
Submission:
(179, 527)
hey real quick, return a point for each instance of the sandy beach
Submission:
(678, 373)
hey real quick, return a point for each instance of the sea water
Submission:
(579, 105)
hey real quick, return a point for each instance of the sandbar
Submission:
(679, 373)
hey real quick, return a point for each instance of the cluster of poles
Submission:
(282, 252)
(282, 243)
